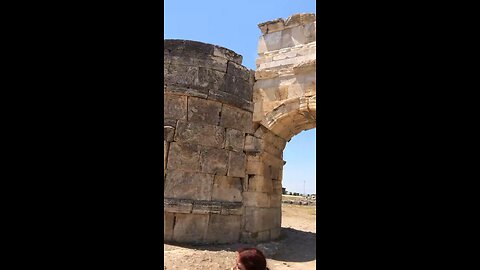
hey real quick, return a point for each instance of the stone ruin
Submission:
(225, 128)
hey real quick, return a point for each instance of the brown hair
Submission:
(252, 259)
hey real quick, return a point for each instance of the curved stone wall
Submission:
(207, 115)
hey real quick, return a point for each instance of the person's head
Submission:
(251, 259)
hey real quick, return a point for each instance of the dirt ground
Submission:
(296, 248)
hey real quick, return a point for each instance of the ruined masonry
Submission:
(225, 128)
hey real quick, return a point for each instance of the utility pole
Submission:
(304, 187)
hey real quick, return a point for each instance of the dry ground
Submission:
(296, 248)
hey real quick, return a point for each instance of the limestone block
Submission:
(181, 75)
(228, 225)
(236, 118)
(300, 18)
(277, 186)
(188, 185)
(273, 40)
(202, 110)
(213, 62)
(298, 35)
(175, 107)
(186, 91)
(234, 140)
(168, 223)
(276, 25)
(262, 47)
(238, 71)
(177, 205)
(227, 54)
(260, 219)
(256, 199)
(236, 164)
(213, 160)
(200, 133)
(183, 157)
(255, 237)
(276, 200)
(168, 133)
(258, 183)
(253, 144)
(287, 40)
(254, 165)
(190, 228)
(310, 32)
(230, 99)
(238, 86)
(228, 189)
(210, 79)
(187, 48)
(206, 208)
(231, 210)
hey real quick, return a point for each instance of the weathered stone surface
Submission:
(256, 199)
(168, 133)
(259, 183)
(200, 133)
(227, 188)
(174, 107)
(260, 219)
(204, 111)
(183, 157)
(236, 118)
(230, 225)
(236, 164)
(225, 130)
(188, 185)
(168, 223)
(190, 228)
(234, 140)
(213, 160)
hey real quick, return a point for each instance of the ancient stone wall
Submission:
(207, 114)
(226, 128)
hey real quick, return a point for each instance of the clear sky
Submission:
(233, 25)
(228, 23)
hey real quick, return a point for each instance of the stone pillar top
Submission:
(292, 21)
(195, 49)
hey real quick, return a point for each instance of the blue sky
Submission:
(233, 25)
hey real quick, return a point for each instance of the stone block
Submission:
(231, 99)
(234, 140)
(238, 87)
(228, 189)
(186, 91)
(181, 75)
(238, 71)
(259, 219)
(183, 157)
(256, 199)
(258, 183)
(168, 133)
(254, 165)
(298, 35)
(273, 40)
(277, 186)
(213, 160)
(200, 133)
(287, 40)
(190, 228)
(236, 164)
(202, 110)
(168, 223)
(227, 54)
(236, 118)
(188, 185)
(206, 208)
(210, 79)
(177, 205)
(229, 226)
(253, 144)
(174, 107)
(276, 200)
